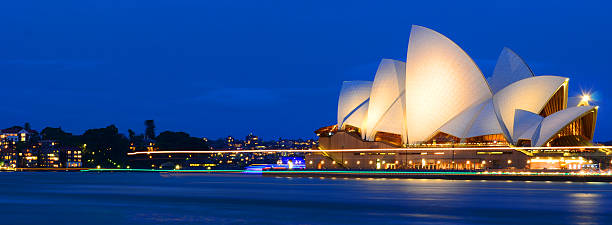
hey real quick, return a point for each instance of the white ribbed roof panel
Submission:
(460, 124)
(486, 123)
(441, 82)
(509, 68)
(553, 123)
(385, 111)
(352, 95)
(391, 122)
(524, 121)
(530, 94)
(358, 117)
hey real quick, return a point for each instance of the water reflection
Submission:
(585, 207)
(151, 198)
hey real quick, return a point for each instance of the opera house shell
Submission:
(440, 96)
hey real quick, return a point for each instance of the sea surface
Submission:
(185, 198)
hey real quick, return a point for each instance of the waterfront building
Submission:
(49, 157)
(298, 144)
(73, 157)
(16, 134)
(10, 156)
(438, 97)
(253, 142)
(28, 157)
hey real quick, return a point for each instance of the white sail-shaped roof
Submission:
(486, 123)
(441, 82)
(358, 117)
(530, 94)
(460, 124)
(353, 102)
(524, 121)
(532, 133)
(553, 123)
(510, 68)
(386, 107)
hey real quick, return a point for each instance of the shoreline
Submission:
(445, 175)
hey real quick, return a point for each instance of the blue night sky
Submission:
(218, 68)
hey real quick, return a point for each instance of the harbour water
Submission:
(196, 198)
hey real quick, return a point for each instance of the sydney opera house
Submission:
(440, 98)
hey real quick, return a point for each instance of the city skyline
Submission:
(214, 70)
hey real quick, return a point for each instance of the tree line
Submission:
(108, 148)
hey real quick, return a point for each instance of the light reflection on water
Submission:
(150, 198)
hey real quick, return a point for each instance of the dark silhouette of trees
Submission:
(150, 129)
(105, 147)
(57, 134)
(131, 135)
(179, 141)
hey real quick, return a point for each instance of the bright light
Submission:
(586, 98)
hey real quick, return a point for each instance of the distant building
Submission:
(253, 142)
(16, 134)
(28, 157)
(49, 156)
(230, 143)
(73, 157)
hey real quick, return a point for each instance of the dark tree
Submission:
(132, 135)
(150, 129)
(57, 134)
(105, 147)
(169, 140)
(27, 126)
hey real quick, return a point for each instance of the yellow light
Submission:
(468, 162)
(345, 162)
(509, 161)
(586, 98)
(358, 162)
